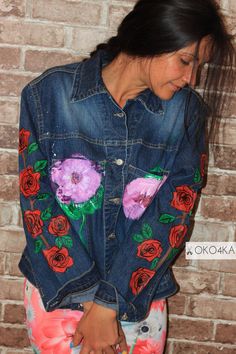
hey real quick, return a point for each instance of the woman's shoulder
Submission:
(54, 75)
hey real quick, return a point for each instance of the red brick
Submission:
(24, 351)
(9, 188)
(14, 313)
(8, 163)
(11, 289)
(219, 208)
(12, 84)
(84, 41)
(10, 215)
(116, 15)
(226, 157)
(2, 263)
(66, 11)
(192, 282)
(12, 241)
(5, 214)
(32, 34)
(8, 137)
(216, 265)
(8, 112)
(220, 184)
(12, 261)
(37, 61)
(229, 285)
(9, 58)
(12, 8)
(206, 307)
(211, 231)
(182, 328)
(231, 6)
(229, 110)
(176, 304)
(13, 337)
(225, 333)
(198, 348)
(227, 133)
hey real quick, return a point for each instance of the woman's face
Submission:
(168, 73)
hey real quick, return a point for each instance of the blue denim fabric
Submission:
(69, 111)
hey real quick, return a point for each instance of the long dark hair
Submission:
(156, 27)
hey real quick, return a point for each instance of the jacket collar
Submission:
(88, 82)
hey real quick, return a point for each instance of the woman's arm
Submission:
(55, 256)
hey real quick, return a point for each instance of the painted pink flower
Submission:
(59, 335)
(138, 195)
(77, 179)
(150, 346)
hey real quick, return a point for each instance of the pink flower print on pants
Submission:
(138, 195)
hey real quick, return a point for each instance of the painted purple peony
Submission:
(77, 179)
(139, 194)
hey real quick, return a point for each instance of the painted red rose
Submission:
(58, 259)
(23, 140)
(29, 182)
(202, 164)
(139, 279)
(33, 222)
(149, 250)
(59, 226)
(176, 235)
(184, 198)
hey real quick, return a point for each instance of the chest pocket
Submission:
(141, 188)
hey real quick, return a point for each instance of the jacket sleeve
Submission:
(153, 241)
(56, 258)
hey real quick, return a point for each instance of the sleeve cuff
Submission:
(75, 300)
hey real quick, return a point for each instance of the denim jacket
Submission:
(106, 192)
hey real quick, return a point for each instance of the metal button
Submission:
(112, 236)
(124, 317)
(119, 162)
(120, 114)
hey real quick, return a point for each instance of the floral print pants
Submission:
(51, 332)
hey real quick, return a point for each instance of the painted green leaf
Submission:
(147, 231)
(59, 242)
(157, 169)
(64, 241)
(43, 173)
(150, 175)
(138, 238)
(154, 263)
(38, 245)
(197, 176)
(40, 165)
(166, 218)
(67, 240)
(32, 147)
(46, 214)
(43, 196)
(76, 211)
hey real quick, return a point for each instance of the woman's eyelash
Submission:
(184, 62)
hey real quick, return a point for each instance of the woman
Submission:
(112, 154)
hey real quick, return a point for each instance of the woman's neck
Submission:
(122, 78)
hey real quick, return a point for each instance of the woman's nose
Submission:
(190, 76)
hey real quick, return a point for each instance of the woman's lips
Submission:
(175, 87)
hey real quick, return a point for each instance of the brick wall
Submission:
(37, 34)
